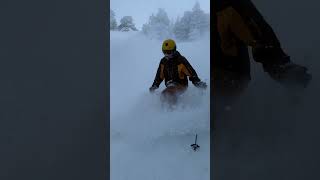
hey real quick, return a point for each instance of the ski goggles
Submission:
(167, 51)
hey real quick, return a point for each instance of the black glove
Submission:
(288, 74)
(200, 84)
(153, 88)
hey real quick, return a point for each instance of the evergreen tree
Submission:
(126, 24)
(113, 21)
(199, 23)
(158, 26)
(192, 25)
(182, 28)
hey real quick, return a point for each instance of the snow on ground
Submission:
(148, 141)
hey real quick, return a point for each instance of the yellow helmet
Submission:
(168, 45)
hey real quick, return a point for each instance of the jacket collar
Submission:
(175, 55)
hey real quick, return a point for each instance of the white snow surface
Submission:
(148, 141)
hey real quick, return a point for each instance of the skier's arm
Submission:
(159, 76)
(193, 77)
(189, 71)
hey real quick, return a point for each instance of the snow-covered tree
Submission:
(113, 21)
(192, 25)
(181, 28)
(200, 22)
(158, 26)
(126, 24)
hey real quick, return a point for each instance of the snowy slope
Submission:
(147, 141)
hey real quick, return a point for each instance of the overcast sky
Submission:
(140, 10)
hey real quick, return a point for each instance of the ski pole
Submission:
(195, 146)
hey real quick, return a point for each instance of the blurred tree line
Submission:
(190, 26)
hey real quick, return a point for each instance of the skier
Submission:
(240, 25)
(174, 69)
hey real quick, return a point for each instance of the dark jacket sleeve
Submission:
(159, 77)
(193, 74)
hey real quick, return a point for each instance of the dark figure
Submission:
(240, 25)
(175, 70)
